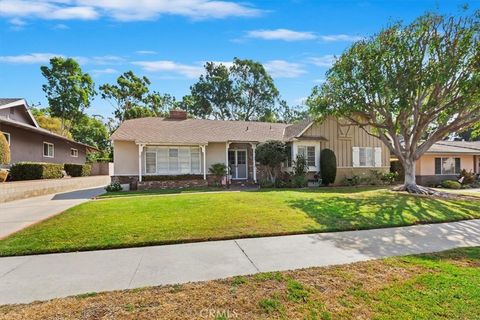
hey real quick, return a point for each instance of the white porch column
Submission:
(204, 153)
(254, 147)
(227, 145)
(140, 149)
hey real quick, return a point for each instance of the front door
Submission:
(237, 161)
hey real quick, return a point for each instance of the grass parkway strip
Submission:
(431, 286)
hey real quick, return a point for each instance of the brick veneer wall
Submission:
(164, 184)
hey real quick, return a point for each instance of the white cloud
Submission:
(31, 58)
(284, 69)
(123, 10)
(281, 34)
(189, 71)
(142, 52)
(340, 37)
(99, 72)
(17, 22)
(323, 61)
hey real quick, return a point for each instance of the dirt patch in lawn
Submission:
(314, 293)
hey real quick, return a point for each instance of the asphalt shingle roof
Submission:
(4, 101)
(455, 147)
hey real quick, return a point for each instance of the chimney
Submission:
(177, 114)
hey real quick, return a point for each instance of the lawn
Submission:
(136, 221)
(119, 194)
(433, 286)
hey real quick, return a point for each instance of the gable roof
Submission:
(464, 147)
(196, 131)
(18, 102)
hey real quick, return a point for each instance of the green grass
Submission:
(119, 194)
(136, 221)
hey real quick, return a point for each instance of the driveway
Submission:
(28, 278)
(16, 215)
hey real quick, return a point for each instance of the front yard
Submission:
(432, 286)
(162, 219)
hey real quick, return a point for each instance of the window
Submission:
(7, 136)
(48, 150)
(175, 160)
(447, 165)
(195, 157)
(288, 162)
(74, 153)
(150, 162)
(309, 153)
(12, 110)
(366, 158)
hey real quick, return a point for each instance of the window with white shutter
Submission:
(364, 157)
(378, 157)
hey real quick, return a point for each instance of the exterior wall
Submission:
(342, 139)
(125, 156)
(102, 168)
(19, 114)
(216, 154)
(28, 146)
(425, 168)
(343, 173)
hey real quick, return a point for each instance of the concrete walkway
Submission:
(18, 214)
(29, 278)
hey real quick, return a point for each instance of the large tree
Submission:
(92, 130)
(68, 89)
(243, 91)
(410, 86)
(131, 97)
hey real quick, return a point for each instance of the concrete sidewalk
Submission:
(18, 214)
(29, 278)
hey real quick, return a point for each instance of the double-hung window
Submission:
(172, 160)
(447, 165)
(74, 153)
(308, 152)
(150, 162)
(366, 157)
(48, 150)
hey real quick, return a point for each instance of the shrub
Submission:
(300, 166)
(451, 184)
(114, 187)
(351, 181)
(77, 170)
(265, 183)
(468, 177)
(36, 170)
(328, 166)
(389, 177)
(219, 170)
(4, 150)
(271, 154)
(299, 181)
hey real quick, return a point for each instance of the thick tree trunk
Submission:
(410, 183)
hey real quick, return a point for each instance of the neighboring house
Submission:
(29, 142)
(181, 146)
(445, 159)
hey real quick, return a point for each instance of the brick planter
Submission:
(171, 184)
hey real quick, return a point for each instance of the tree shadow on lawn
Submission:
(343, 213)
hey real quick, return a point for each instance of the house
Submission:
(29, 142)
(445, 159)
(177, 146)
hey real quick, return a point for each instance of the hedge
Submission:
(77, 170)
(451, 184)
(35, 170)
(4, 150)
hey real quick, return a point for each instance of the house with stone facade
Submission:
(178, 151)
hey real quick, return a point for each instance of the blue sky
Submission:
(168, 41)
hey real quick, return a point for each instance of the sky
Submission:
(169, 40)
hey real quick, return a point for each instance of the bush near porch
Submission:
(149, 220)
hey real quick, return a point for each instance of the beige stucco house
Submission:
(29, 142)
(445, 159)
(177, 146)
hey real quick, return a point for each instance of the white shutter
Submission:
(378, 157)
(356, 156)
